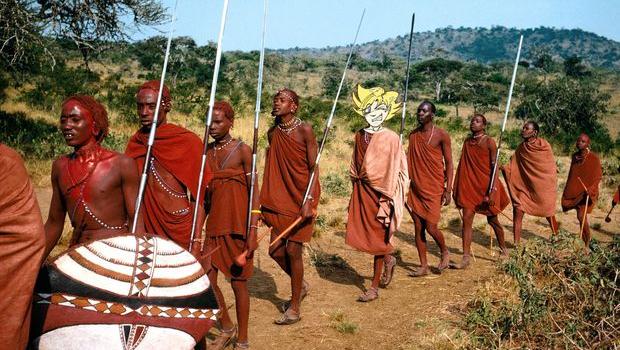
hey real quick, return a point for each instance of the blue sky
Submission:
(320, 23)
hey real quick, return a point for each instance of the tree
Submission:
(437, 69)
(573, 67)
(566, 107)
(89, 24)
(331, 81)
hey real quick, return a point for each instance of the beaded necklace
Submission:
(289, 126)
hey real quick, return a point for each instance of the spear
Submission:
(499, 142)
(241, 259)
(325, 133)
(216, 70)
(151, 140)
(402, 120)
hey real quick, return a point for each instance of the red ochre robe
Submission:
(379, 175)
(227, 200)
(22, 244)
(286, 177)
(426, 171)
(590, 172)
(472, 179)
(532, 178)
(179, 151)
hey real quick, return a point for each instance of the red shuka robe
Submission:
(378, 172)
(590, 172)
(426, 171)
(532, 178)
(472, 179)
(286, 177)
(22, 243)
(227, 199)
(179, 151)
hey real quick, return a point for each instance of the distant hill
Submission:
(486, 45)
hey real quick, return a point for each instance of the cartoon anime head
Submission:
(375, 104)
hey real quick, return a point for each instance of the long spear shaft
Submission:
(259, 92)
(151, 140)
(402, 119)
(216, 71)
(331, 114)
(501, 134)
(326, 131)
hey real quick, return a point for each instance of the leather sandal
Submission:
(370, 295)
(223, 339)
(288, 317)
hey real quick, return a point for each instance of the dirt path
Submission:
(409, 314)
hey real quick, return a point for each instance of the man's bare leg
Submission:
(420, 243)
(373, 292)
(278, 254)
(227, 330)
(468, 221)
(585, 234)
(242, 299)
(294, 251)
(437, 235)
(499, 234)
(553, 224)
(517, 223)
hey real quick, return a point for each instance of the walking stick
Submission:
(241, 259)
(151, 140)
(216, 70)
(402, 119)
(325, 133)
(501, 134)
(607, 218)
(585, 211)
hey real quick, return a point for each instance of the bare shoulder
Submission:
(307, 131)
(443, 134)
(245, 149)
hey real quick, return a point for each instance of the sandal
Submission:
(420, 272)
(241, 345)
(223, 339)
(370, 295)
(305, 288)
(388, 270)
(288, 317)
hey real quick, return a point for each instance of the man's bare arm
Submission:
(130, 180)
(56, 217)
(446, 149)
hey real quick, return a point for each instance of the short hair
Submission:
(427, 102)
(534, 125)
(154, 85)
(290, 94)
(100, 115)
(484, 119)
(226, 108)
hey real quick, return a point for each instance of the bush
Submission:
(335, 185)
(554, 296)
(33, 139)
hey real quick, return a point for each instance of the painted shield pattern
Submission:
(125, 292)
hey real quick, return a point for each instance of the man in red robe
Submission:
(430, 170)
(173, 172)
(22, 245)
(289, 162)
(585, 171)
(97, 187)
(472, 191)
(379, 175)
(532, 179)
(227, 209)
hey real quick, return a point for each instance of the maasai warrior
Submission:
(585, 170)
(227, 208)
(289, 161)
(379, 175)
(472, 191)
(430, 171)
(22, 243)
(97, 187)
(532, 179)
(173, 170)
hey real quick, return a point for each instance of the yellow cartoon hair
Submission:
(362, 98)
